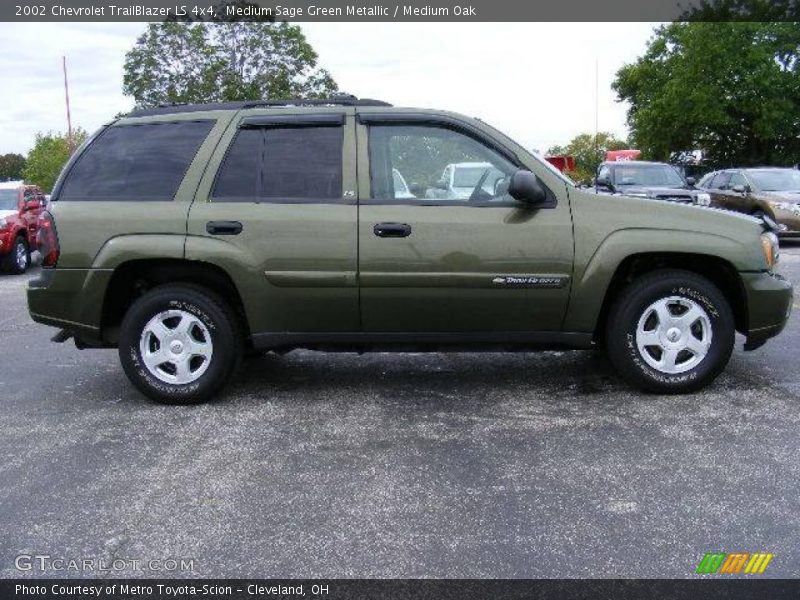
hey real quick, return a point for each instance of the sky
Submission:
(534, 81)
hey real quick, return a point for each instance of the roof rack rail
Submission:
(335, 100)
(181, 107)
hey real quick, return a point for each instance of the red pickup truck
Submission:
(20, 207)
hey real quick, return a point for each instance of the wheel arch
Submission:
(133, 278)
(714, 268)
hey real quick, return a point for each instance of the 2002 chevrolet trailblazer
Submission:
(186, 236)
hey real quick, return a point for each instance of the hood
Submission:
(631, 211)
(783, 196)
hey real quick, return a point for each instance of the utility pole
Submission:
(596, 107)
(70, 141)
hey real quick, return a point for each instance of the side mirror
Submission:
(740, 189)
(440, 185)
(690, 181)
(526, 188)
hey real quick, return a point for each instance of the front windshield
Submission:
(648, 175)
(776, 180)
(8, 199)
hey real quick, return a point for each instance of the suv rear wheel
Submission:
(179, 344)
(670, 332)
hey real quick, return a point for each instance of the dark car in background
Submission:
(770, 191)
(642, 179)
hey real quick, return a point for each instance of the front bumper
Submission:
(770, 298)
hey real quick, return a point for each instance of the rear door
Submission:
(441, 263)
(276, 209)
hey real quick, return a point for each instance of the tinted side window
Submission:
(438, 164)
(721, 181)
(736, 179)
(136, 162)
(282, 163)
(239, 174)
(706, 181)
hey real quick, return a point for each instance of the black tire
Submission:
(629, 308)
(219, 320)
(12, 266)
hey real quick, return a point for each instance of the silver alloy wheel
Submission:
(674, 334)
(21, 256)
(176, 347)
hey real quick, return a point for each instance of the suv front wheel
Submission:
(670, 332)
(179, 344)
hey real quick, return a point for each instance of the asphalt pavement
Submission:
(396, 465)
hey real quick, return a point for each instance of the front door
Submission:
(451, 251)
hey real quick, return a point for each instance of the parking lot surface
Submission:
(398, 465)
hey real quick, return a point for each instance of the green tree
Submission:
(11, 166)
(195, 62)
(48, 156)
(588, 152)
(729, 89)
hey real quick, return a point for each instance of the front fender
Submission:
(594, 275)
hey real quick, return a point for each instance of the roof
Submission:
(723, 170)
(642, 163)
(339, 100)
(763, 169)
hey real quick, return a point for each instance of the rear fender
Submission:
(244, 269)
(125, 248)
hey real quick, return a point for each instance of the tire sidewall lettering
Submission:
(155, 383)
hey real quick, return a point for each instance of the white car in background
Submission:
(458, 180)
(400, 186)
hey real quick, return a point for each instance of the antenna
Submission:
(70, 141)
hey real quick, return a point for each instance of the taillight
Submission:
(47, 240)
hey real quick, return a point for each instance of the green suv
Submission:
(188, 236)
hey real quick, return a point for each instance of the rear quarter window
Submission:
(144, 162)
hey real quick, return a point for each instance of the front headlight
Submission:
(769, 245)
(704, 199)
(3, 224)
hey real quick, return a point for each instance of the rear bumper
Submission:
(770, 298)
(70, 299)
